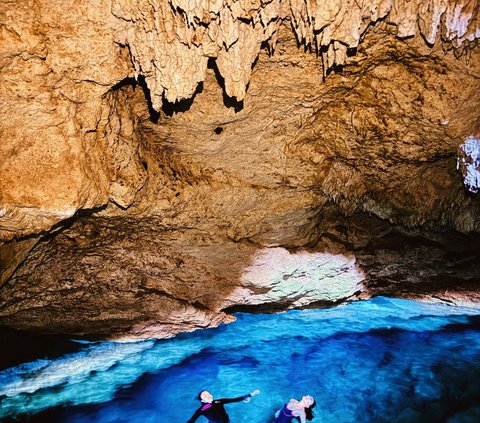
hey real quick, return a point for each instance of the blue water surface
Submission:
(381, 360)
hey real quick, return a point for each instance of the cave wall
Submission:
(162, 158)
(60, 59)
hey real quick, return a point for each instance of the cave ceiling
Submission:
(164, 163)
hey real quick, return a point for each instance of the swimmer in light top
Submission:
(294, 409)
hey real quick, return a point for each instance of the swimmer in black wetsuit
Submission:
(214, 410)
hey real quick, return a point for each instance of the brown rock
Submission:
(224, 170)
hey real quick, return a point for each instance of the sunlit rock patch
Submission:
(280, 277)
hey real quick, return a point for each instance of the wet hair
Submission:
(308, 411)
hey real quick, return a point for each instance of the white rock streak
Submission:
(469, 163)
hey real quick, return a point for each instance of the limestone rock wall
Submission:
(59, 59)
(164, 162)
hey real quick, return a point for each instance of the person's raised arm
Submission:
(238, 399)
(300, 413)
(303, 417)
(228, 400)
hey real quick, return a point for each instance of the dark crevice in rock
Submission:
(127, 82)
(180, 106)
(9, 264)
(133, 83)
(59, 227)
(414, 265)
(284, 305)
(260, 308)
(25, 346)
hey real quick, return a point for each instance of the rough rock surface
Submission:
(166, 162)
(58, 62)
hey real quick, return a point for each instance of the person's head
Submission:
(205, 396)
(308, 403)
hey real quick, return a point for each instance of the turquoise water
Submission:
(369, 361)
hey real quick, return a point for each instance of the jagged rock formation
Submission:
(154, 152)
